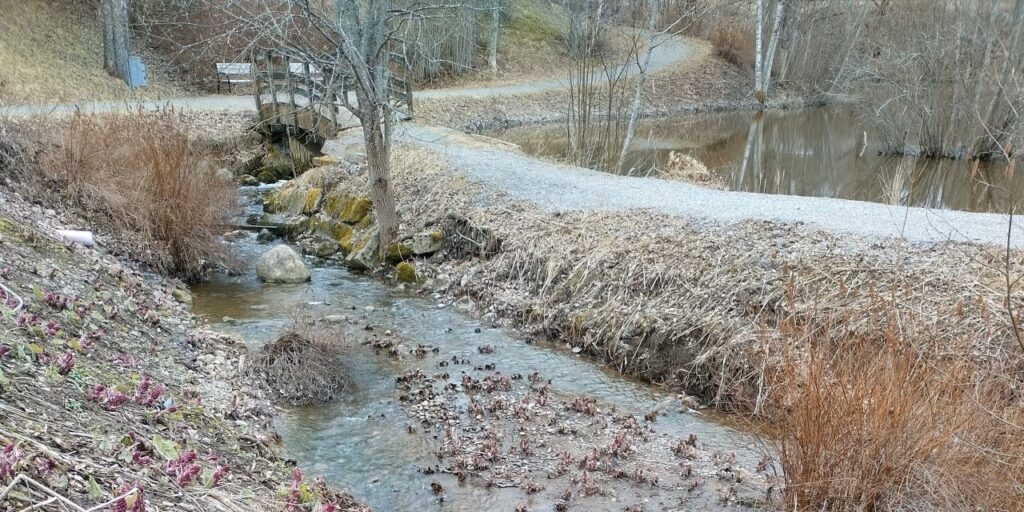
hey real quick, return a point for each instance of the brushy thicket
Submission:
(304, 366)
(870, 422)
(140, 175)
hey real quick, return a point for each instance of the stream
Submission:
(359, 442)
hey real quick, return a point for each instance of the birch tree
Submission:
(495, 35)
(654, 8)
(764, 60)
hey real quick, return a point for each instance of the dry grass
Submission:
(667, 300)
(52, 51)
(141, 175)
(683, 167)
(303, 366)
(869, 422)
(734, 42)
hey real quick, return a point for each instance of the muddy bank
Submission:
(697, 304)
(111, 392)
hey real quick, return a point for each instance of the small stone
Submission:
(405, 272)
(465, 304)
(426, 242)
(248, 180)
(335, 319)
(182, 296)
(369, 309)
(265, 236)
(236, 235)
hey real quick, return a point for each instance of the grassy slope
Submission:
(52, 51)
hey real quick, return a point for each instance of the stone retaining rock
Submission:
(282, 265)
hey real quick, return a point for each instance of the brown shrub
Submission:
(141, 175)
(304, 366)
(870, 423)
(734, 42)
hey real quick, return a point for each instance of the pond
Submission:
(823, 152)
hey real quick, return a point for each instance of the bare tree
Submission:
(495, 35)
(363, 34)
(763, 62)
(114, 14)
(654, 7)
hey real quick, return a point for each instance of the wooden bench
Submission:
(233, 73)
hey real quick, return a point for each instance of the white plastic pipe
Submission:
(78, 237)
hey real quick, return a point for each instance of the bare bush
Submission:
(945, 79)
(867, 422)
(304, 365)
(140, 175)
(12, 150)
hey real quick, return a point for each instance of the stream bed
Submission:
(363, 442)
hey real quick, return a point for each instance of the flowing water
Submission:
(359, 442)
(815, 152)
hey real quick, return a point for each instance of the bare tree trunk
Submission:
(495, 34)
(116, 37)
(634, 108)
(758, 43)
(773, 44)
(364, 34)
(377, 135)
(789, 26)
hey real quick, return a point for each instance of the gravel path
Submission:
(562, 187)
(668, 52)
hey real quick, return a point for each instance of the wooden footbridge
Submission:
(305, 101)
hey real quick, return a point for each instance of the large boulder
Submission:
(282, 265)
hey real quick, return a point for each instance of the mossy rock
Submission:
(347, 242)
(346, 208)
(365, 253)
(336, 230)
(294, 225)
(426, 242)
(267, 176)
(405, 272)
(290, 199)
(397, 252)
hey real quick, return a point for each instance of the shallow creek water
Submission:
(360, 443)
(821, 152)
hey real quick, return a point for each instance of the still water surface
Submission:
(815, 152)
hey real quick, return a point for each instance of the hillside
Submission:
(52, 51)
